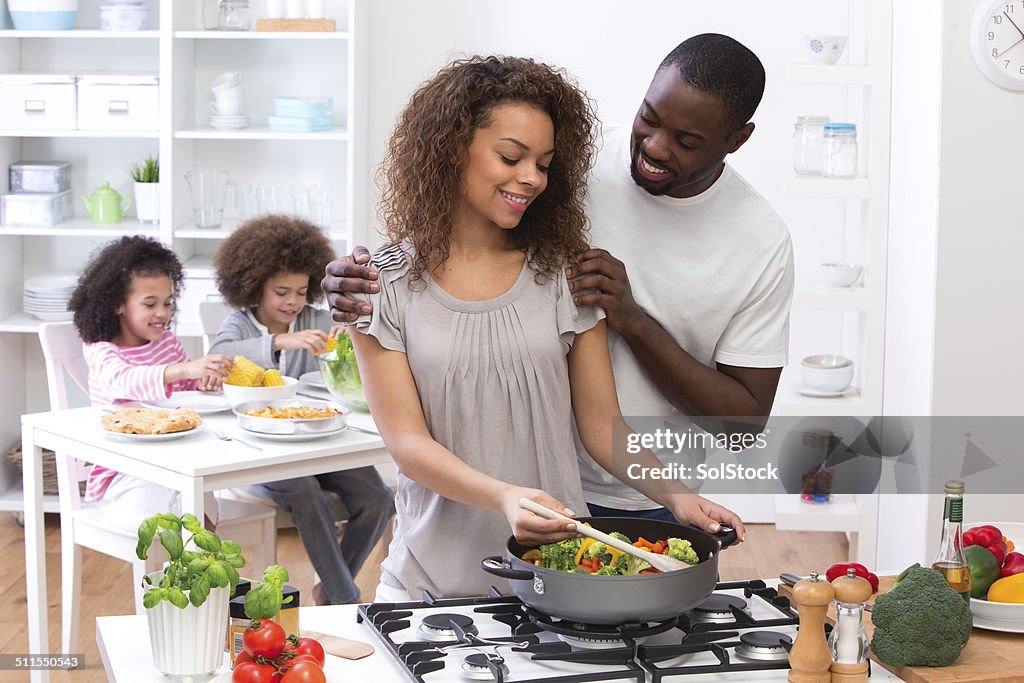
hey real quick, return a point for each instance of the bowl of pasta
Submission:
(290, 417)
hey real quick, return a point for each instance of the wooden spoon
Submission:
(660, 562)
(340, 647)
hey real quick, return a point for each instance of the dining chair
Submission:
(82, 524)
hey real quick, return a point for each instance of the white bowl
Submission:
(123, 17)
(841, 274)
(826, 372)
(825, 48)
(1006, 613)
(236, 396)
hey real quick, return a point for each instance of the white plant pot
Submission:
(190, 641)
(147, 202)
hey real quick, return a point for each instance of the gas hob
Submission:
(742, 628)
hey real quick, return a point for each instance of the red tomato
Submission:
(243, 657)
(304, 672)
(251, 672)
(264, 639)
(312, 647)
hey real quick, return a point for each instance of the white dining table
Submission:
(194, 464)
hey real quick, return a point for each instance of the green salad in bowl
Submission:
(341, 374)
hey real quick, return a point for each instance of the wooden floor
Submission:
(765, 553)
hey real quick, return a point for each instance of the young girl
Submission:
(269, 269)
(123, 307)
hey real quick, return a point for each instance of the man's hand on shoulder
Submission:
(347, 274)
(598, 270)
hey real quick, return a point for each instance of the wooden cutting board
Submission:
(989, 656)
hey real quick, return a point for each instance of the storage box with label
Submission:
(35, 209)
(40, 176)
(37, 102)
(118, 102)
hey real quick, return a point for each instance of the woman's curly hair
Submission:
(420, 176)
(267, 246)
(107, 279)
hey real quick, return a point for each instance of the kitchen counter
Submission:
(124, 645)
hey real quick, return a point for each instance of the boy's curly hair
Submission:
(107, 278)
(264, 247)
(420, 176)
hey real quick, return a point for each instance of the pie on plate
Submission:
(151, 421)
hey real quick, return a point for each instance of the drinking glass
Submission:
(320, 205)
(208, 189)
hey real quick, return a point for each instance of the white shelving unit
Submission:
(185, 57)
(859, 311)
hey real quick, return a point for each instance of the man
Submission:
(699, 325)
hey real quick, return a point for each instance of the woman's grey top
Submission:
(493, 383)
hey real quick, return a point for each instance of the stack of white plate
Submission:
(46, 296)
(229, 121)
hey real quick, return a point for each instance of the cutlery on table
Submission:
(224, 437)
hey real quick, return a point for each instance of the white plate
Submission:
(54, 316)
(993, 625)
(203, 402)
(816, 393)
(294, 437)
(313, 379)
(143, 438)
(52, 281)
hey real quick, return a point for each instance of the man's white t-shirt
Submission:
(715, 270)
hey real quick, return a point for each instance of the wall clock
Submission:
(997, 41)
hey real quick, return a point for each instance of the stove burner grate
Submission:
(719, 609)
(438, 627)
(766, 646)
(597, 634)
(483, 667)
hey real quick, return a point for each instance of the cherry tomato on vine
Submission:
(310, 646)
(264, 639)
(251, 672)
(304, 672)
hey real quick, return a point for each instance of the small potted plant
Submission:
(147, 189)
(189, 597)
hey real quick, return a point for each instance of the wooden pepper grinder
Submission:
(848, 642)
(810, 658)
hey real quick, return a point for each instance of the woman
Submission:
(475, 358)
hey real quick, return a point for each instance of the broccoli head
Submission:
(608, 571)
(622, 537)
(560, 556)
(682, 550)
(920, 622)
(627, 565)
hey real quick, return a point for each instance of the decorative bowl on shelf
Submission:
(841, 274)
(342, 380)
(826, 372)
(825, 48)
(43, 15)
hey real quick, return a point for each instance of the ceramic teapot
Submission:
(105, 204)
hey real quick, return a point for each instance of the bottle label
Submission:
(955, 510)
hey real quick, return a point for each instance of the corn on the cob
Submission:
(272, 378)
(245, 373)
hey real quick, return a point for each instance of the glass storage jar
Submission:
(233, 15)
(809, 144)
(840, 150)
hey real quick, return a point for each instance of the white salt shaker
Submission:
(294, 9)
(315, 9)
(275, 9)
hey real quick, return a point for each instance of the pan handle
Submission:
(726, 536)
(499, 567)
